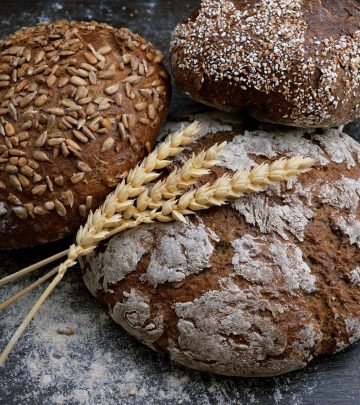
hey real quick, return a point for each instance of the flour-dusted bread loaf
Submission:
(287, 62)
(257, 288)
(80, 104)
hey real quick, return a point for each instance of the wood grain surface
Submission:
(73, 353)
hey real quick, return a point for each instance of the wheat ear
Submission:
(174, 185)
(225, 188)
(118, 201)
(109, 214)
(233, 186)
(177, 182)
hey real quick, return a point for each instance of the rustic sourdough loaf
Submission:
(257, 288)
(288, 62)
(80, 104)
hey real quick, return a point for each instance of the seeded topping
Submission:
(266, 47)
(65, 99)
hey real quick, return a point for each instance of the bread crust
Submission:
(81, 104)
(292, 63)
(256, 288)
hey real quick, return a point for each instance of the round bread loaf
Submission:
(80, 104)
(256, 288)
(286, 62)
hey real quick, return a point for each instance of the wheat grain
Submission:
(177, 181)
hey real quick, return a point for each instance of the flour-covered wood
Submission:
(257, 288)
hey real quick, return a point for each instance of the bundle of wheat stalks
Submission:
(137, 200)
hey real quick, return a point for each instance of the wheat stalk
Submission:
(108, 220)
(133, 186)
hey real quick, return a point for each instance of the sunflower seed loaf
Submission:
(70, 122)
(256, 288)
(287, 62)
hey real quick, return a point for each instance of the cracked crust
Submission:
(257, 288)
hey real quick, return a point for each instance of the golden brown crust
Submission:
(81, 104)
(293, 63)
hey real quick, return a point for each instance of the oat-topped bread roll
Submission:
(287, 62)
(80, 104)
(257, 288)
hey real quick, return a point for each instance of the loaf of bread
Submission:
(286, 62)
(257, 288)
(80, 104)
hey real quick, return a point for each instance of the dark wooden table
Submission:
(73, 353)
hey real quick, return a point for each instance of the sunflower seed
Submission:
(112, 89)
(92, 78)
(9, 129)
(122, 130)
(41, 139)
(51, 80)
(80, 136)
(104, 50)
(118, 99)
(16, 152)
(73, 144)
(69, 198)
(20, 212)
(63, 81)
(150, 71)
(126, 58)
(60, 208)
(144, 121)
(39, 189)
(78, 81)
(88, 133)
(41, 156)
(27, 171)
(14, 181)
(13, 199)
(33, 164)
(84, 167)
(36, 177)
(140, 106)
(132, 79)
(59, 181)
(108, 144)
(90, 58)
(107, 74)
(41, 100)
(39, 210)
(59, 112)
(39, 56)
(146, 93)
(55, 141)
(82, 210)
(49, 205)
(89, 202)
(77, 177)
(151, 111)
(82, 73)
(88, 67)
(24, 181)
(22, 162)
(11, 169)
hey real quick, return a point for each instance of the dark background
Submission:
(98, 363)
